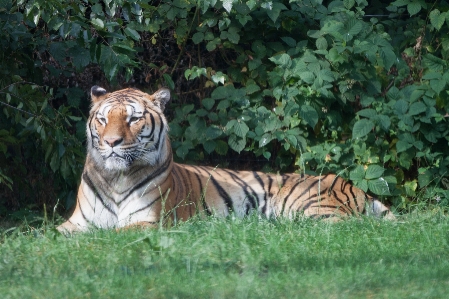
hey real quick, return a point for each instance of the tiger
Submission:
(131, 180)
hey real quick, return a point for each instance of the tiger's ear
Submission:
(97, 93)
(161, 97)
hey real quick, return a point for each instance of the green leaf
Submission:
(265, 139)
(437, 19)
(348, 3)
(417, 108)
(65, 168)
(425, 178)
(307, 77)
(275, 10)
(368, 113)
(252, 88)
(289, 41)
(384, 122)
(80, 57)
(321, 43)
(222, 92)
(379, 186)
(169, 81)
(198, 37)
(401, 107)
(219, 77)
(326, 75)
(434, 63)
(97, 23)
(374, 172)
(208, 103)
(402, 146)
(353, 27)
(240, 129)
(438, 85)
(209, 146)
(309, 114)
(410, 188)
(432, 75)
(236, 143)
(283, 60)
(361, 128)
(213, 132)
(363, 184)
(254, 64)
(183, 150)
(357, 174)
(132, 33)
(54, 163)
(187, 108)
(221, 148)
(388, 57)
(231, 34)
(413, 8)
(223, 104)
(227, 4)
(213, 44)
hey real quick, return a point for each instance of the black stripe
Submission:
(203, 196)
(161, 131)
(146, 136)
(345, 193)
(85, 218)
(348, 208)
(124, 207)
(92, 137)
(90, 205)
(311, 202)
(353, 196)
(262, 184)
(152, 124)
(148, 205)
(348, 202)
(332, 185)
(357, 205)
(223, 194)
(145, 181)
(288, 195)
(307, 190)
(270, 183)
(89, 183)
(245, 186)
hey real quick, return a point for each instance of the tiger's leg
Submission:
(138, 225)
(68, 228)
(76, 222)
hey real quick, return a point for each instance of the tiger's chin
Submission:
(116, 164)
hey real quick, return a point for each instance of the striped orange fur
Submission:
(130, 178)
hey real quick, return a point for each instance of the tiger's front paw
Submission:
(68, 228)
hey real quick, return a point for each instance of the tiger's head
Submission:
(127, 128)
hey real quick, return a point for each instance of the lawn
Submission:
(233, 258)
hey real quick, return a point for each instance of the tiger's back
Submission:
(129, 176)
(224, 192)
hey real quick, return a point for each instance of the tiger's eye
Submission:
(134, 119)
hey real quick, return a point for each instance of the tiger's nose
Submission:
(113, 141)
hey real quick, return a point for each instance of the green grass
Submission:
(225, 258)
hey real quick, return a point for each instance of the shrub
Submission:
(327, 86)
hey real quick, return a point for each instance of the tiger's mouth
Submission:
(115, 161)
